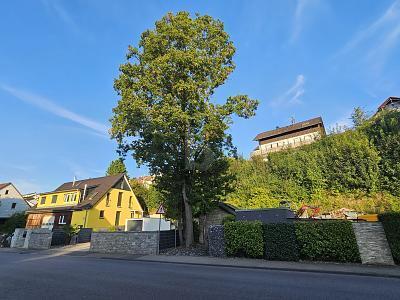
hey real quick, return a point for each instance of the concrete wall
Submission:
(39, 238)
(145, 242)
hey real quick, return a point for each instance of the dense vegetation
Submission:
(391, 224)
(17, 220)
(327, 241)
(358, 169)
(280, 242)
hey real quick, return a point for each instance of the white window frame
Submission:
(61, 220)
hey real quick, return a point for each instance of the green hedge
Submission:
(280, 242)
(327, 241)
(244, 239)
(391, 224)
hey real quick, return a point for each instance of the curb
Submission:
(366, 274)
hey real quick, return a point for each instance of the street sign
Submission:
(160, 210)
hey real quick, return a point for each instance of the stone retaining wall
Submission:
(39, 238)
(216, 241)
(144, 242)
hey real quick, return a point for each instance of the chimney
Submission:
(84, 192)
(73, 182)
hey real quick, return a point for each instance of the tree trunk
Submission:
(188, 218)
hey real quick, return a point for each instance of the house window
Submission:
(61, 220)
(54, 199)
(117, 216)
(133, 214)
(119, 203)
(101, 215)
(6, 192)
(73, 197)
(13, 205)
(108, 199)
(130, 201)
(43, 200)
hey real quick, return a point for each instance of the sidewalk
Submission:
(315, 267)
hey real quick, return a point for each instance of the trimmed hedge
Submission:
(327, 241)
(280, 242)
(244, 239)
(391, 225)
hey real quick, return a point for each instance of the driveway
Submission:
(40, 275)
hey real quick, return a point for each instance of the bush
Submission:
(244, 239)
(280, 242)
(17, 220)
(228, 218)
(327, 241)
(391, 224)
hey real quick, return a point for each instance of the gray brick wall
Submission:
(144, 242)
(39, 238)
(372, 243)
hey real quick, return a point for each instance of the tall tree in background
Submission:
(165, 116)
(117, 166)
(359, 116)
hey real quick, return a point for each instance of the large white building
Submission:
(291, 136)
(11, 201)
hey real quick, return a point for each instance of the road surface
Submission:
(39, 276)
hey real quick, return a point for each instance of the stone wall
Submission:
(372, 243)
(216, 241)
(39, 238)
(144, 242)
(214, 217)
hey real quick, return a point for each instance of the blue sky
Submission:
(300, 58)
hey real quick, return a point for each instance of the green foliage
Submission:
(165, 116)
(244, 239)
(117, 166)
(148, 197)
(359, 117)
(228, 218)
(70, 230)
(391, 224)
(384, 133)
(327, 241)
(17, 220)
(280, 242)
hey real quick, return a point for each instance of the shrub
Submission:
(391, 224)
(280, 242)
(228, 218)
(244, 239)
(17, 220)
(327, 241)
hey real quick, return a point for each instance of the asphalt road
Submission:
(37, 276)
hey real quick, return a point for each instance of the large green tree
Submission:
(117, 166)
(165, 116)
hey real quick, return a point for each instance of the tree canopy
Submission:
(166, 117)
(117, 166)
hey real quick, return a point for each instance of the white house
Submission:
(11, 201)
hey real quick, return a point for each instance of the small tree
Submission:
(117, 166)
(165, 115)
(359, 116)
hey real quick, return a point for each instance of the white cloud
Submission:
(299, 17)
(382, 35)
(57, 10)
(293, 94)
(52, 107)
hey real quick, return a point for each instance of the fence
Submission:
(169, 239)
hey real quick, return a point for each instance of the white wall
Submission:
(9, 197)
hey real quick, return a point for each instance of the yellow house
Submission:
(97, 203)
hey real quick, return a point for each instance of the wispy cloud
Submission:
(300, 16)
(293, 94)
(50, 106)
(379, 37)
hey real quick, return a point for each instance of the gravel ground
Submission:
(196, 250)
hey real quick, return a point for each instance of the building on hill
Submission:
(390, 103)
(146, 180)
(291, 136)
(97, 203)
(11, 201)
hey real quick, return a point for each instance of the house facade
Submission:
(291, 136)
(11, 201)
(390, 103)
(97, 203)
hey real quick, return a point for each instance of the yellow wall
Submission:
(78, 218)
(93, 219)
(60, 199)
